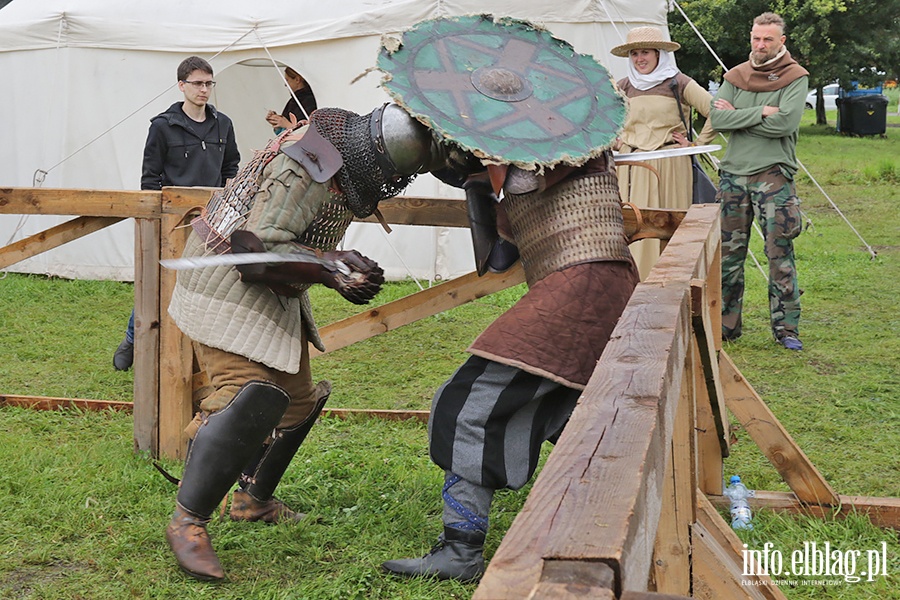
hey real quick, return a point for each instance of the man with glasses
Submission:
(190, 144)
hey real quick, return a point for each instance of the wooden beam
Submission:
(388, 415)
(53, 237)
(88, 203)
(714, 295)
(618, 469)
(597, 499)
(574, 580)
(687, 255)
(557, 591)
(632, 595)
(707, 348)
(409, 309)
(176, 355)
(671, 565)
(50, 403)
(183, 201)
(442, 212)
(698, 237)
(883, 512)
(402, 210)
(710, 467)
(637, 383)
(718, 563)
(715, 574)
(413, 210)
(775, 442)
(146, 336)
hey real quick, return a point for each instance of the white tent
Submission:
(82, 78)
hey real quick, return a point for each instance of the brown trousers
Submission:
(228, 372)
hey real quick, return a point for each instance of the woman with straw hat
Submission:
(654, 122)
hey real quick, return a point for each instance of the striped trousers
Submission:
(489, 420)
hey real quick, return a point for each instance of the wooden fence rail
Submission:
(625, 506)
(163, 379)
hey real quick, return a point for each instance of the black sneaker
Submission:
(124, 356)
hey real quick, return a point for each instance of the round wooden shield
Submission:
(504, 89)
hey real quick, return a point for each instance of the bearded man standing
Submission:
(759, 106)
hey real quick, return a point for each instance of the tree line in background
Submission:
(835, 40)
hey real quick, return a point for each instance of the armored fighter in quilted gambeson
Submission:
(250, 325)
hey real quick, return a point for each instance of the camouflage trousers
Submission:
(770, 195)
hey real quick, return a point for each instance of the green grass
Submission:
(84, 516)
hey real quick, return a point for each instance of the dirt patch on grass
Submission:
(823, 367)
(21, 582)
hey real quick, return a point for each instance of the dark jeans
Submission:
(129, 333)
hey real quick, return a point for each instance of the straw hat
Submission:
(644, 37)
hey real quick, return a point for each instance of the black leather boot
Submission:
(123, 357)
(457, 555)
(224, 443)
(255, 501)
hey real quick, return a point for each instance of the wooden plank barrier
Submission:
(597, 500)
(625, 507)
(163, 359)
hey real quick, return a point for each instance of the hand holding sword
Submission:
(354, 276)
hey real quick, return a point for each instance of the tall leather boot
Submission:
(254, 501)
(458, 553)
(223, 444)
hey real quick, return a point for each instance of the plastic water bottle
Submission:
(738, 493)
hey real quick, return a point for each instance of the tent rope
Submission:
(400, 258)
(869, 248)
(41, 174)
(280, 74)
(699, 35)
(613, 21)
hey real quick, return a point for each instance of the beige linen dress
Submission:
(652, 119)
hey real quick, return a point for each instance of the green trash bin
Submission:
(862, 115)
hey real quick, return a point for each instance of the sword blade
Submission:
(621, 159)
(247, 258)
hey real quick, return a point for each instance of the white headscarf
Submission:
(665, 69)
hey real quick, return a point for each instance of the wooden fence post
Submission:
(146, 336)
(176, 355)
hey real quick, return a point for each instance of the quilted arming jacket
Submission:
(214, 307)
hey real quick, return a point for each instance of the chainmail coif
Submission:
(362, 179)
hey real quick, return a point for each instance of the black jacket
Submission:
(180, 151)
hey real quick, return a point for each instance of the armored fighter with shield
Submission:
(241, 297)
(541, 118)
